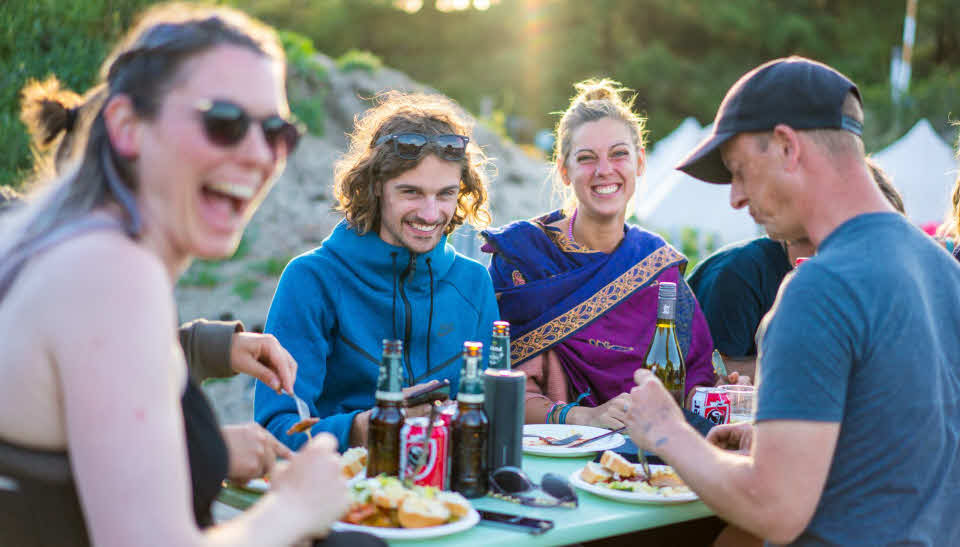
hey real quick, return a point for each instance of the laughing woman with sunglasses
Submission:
(187, 139)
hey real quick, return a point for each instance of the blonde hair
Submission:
(361, 172)
(595, 100)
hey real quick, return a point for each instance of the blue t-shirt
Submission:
(867, 334)
(736, 286)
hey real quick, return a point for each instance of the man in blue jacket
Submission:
(410, 178)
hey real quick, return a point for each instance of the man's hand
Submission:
(361, 422)
(252, 451)
(734, 378)
(653, 413)
(262, 356)
(736, 437)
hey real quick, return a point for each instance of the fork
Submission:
(302, 410)
(557, 442)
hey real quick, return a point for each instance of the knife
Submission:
(718, 367)
(597, 438)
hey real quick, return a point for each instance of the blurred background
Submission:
(511, 64)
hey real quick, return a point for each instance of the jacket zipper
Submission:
(407, 312)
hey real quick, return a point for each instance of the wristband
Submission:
(566, 408)
(553, 409)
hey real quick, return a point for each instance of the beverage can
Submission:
(711, 403)
(434, 471)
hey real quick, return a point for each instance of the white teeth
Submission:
(233, 190)
(422, 227)
(609, 189)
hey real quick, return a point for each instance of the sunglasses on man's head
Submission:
(410, 146)
(226, 124)
(512, 484)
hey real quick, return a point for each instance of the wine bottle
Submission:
(664, 357)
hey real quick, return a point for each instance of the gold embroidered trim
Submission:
(560, 240)
(620, 288)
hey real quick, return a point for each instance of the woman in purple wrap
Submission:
(579, 286)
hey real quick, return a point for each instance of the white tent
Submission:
(677, 200)
(923, 168)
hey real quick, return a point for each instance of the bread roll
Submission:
(594, 473)
(416, 512)
(618, 464)
(455, 503)
(353, 461)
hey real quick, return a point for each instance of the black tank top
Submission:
(38, 499)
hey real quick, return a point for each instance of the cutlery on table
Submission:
(556, 442)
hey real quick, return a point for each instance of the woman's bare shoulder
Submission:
(96, 276)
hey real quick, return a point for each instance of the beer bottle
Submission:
(469, 427)
(504, 399)
(387, 417)
(500, 346)
(663, 357)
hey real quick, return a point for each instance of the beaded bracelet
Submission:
(553, 408)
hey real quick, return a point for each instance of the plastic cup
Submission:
(741, 402)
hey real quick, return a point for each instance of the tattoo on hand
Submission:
(660, 442)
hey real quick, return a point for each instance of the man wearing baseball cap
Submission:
(856, 439)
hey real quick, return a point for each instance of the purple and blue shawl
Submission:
(596, 311)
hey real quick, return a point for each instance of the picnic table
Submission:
(595, 518)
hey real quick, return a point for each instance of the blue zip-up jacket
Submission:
(334, 306)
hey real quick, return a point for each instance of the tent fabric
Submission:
(923, 169)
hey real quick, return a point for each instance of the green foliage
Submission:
(272, 266)
(43, 37)
(355, 59)
(245, 287)
(200, 274)
(307, 81)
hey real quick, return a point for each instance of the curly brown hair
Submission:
(360, 173)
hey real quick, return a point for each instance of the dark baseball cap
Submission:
(795, 91)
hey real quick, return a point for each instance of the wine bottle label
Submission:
(666, 310)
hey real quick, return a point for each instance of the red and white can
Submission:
(712, 403)
(434, 470)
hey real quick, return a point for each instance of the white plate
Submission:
(559, 431)
(468, 521)
(631, 497)
(257, 485)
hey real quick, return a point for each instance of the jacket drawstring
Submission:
(430, 316)
(393, 318)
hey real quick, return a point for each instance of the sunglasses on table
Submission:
(226, 124)
(410, 146)
(512, 484)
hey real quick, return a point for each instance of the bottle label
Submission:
(496, 356)
(666, 309)
(389, 395)
(470, 397)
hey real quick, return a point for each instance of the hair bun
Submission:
(47, 110)
(598, 90)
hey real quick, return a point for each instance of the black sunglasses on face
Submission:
(410, 146)
(226, 124)
(512, 484)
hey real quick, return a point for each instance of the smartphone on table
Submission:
(439, 391)
(517, 523)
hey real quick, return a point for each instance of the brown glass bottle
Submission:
(469, 429)
(388, 415)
